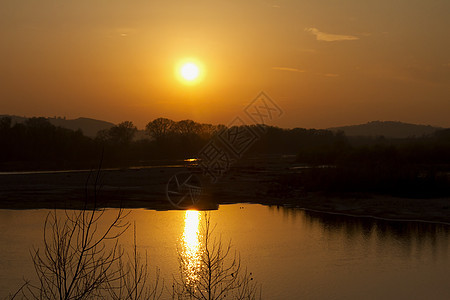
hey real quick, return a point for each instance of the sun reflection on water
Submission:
(191, 252)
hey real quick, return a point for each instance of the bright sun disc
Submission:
(189, 71)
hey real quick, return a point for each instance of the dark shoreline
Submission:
(145, 188)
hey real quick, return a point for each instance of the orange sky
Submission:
(325, 62)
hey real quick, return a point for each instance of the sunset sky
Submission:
(324, 62)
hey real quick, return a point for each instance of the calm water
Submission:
(292, 253)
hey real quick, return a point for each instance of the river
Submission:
(293, 254)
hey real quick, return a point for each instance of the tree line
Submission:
(37, 144)
(416, 167)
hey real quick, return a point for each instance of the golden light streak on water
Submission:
(191, 246)
(191, 159)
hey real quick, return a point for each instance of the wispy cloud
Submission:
(288, 69)
(126, 31)
(331, 75)
(330, 37)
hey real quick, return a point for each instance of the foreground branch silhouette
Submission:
(219, 274)
(79, 253)
(81, 257)
(134, 278)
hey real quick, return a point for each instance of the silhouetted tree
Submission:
(5, 123)
(121, 134)
(37, 141)
(186, 127)
(159, 128)
(81, 258)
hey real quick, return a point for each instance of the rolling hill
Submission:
(90, 127)
(389, 129)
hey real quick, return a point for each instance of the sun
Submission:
(190, 71)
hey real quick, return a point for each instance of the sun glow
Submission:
(189, 71)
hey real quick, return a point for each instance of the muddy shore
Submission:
(146, 188)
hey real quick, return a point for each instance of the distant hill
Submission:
(90, 127)
(387, 129)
